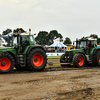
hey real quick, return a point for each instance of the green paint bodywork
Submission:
(82, 51)
(13, 50)
(10, 49)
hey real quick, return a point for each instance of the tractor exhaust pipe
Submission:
(8, 41)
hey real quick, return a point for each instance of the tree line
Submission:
(46, 38)
(43, 37)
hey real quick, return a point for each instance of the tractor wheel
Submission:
(63, 59)
(96, 59)
(79, 60)
(36, 60)
(7, 63)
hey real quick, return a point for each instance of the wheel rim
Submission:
(80, 61)
(99, 58)
(37, 60)
(6, 65)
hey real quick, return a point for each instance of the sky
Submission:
(71, 18)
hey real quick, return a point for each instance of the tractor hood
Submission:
(74, 51)
(7, 49)
(3, 48)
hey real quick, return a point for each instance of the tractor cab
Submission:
(21, 41)
(82, 43)
(88, 44)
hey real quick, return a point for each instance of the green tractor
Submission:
(86, 52)
(22, 53)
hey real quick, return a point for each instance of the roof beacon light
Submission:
(95, 36)
(20, 31)
(29, 30)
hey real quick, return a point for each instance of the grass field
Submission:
(53, 65)
(53, 57)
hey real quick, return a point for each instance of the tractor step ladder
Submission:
(22, 60)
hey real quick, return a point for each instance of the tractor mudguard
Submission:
(81, 53)
(95, 50)
(34, 46)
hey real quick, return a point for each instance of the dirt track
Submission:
(52, 84)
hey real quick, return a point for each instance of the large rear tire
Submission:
(36, 60)
(63, 59)
(79, 60)
(96, 59)
(7, 63)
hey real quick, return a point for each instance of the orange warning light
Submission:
(29, 29)
(19, 30)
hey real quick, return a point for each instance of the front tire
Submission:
(36, 60)
(7, 63)
(79, 60)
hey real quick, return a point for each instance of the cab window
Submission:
(32, 40)
(24, 40)
(14, 41)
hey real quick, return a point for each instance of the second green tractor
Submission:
(85, 53)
